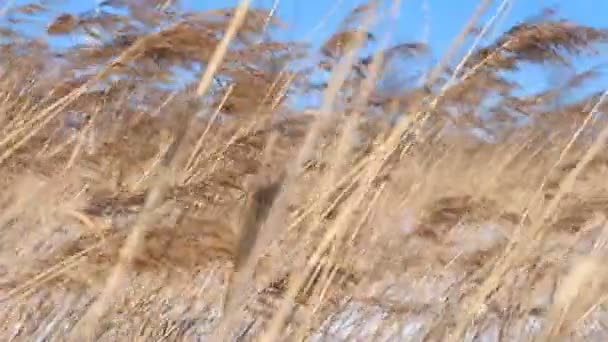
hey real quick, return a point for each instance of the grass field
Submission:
(448, 209)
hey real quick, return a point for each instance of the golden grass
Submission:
(216, 211)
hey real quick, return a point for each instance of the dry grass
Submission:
(216, 211)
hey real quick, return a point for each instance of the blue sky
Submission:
(434, 21)
(442, 19)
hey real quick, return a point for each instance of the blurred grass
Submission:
(135, 210)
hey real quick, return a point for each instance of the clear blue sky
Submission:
(443, 18)
(439, 21)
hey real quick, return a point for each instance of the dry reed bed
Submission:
(129, 215)
(414, 267)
